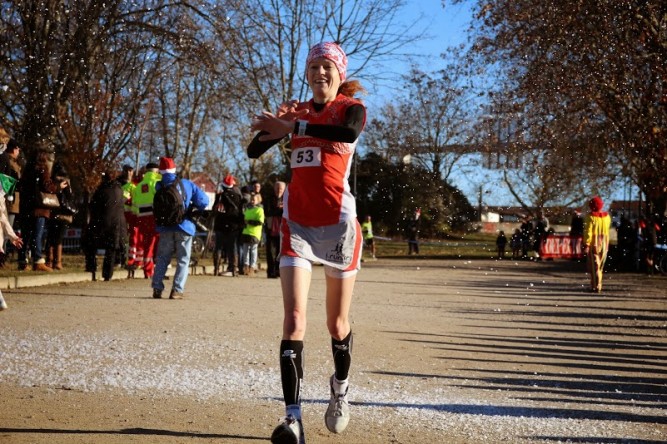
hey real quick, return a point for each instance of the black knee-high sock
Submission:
(291, 370)
(342, 356)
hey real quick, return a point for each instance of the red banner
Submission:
(561, 246)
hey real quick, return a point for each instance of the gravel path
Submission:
(445, 352)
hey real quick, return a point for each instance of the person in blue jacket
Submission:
(177, 238)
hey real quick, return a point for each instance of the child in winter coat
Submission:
(251, 235)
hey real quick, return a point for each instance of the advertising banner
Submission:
(561, 246)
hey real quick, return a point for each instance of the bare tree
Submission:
(544, 159)
(104, 116)
(426, 131)
(112, 80)
(598, 65)
(265, 44)
(80, 72)
(429, 123)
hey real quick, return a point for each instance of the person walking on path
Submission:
(142, 205)
(597, 224)
(11, 166)
(576, 233)
(501, 243)
(649, 228)
(176, 238)
(128, 184)
(367, 231)
(540, 233)
(107, 229)
(526, 236)
(319, 225)
(412, 230)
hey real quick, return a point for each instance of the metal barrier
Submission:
(72, 240)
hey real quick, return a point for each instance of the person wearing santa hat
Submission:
(319, 225)
(596, 241)
(176, 238)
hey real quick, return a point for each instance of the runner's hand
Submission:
(287, 111)
(275, 127)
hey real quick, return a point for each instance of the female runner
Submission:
(319, 224)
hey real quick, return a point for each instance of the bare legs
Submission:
(295, 283)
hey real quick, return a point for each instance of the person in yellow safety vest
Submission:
(251, 235)
(367, 232)
(142, 207)
(127, 185)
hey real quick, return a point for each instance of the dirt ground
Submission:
(444, 351)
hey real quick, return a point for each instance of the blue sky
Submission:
(446, 27)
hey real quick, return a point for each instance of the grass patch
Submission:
(468, 246)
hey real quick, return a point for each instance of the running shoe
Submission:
(289, 431)
(338, 413)
(3, 304)
(176, 295)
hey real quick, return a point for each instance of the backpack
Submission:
(230, 208)
(168, 207)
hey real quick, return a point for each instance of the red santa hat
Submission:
(167, 165)
(228, 181)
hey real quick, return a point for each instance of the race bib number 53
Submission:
(306, 157)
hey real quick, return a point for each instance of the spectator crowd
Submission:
(119, 219)
(40, 204)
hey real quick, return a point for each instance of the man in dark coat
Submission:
(107, 228)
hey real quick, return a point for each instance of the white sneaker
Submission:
(3, 304)
(289, 431)
(338, 413)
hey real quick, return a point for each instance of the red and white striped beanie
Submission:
(331, 51)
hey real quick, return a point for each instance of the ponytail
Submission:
(350, 88)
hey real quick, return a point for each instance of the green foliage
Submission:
(391, 192)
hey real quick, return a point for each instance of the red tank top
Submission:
(319, 192)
